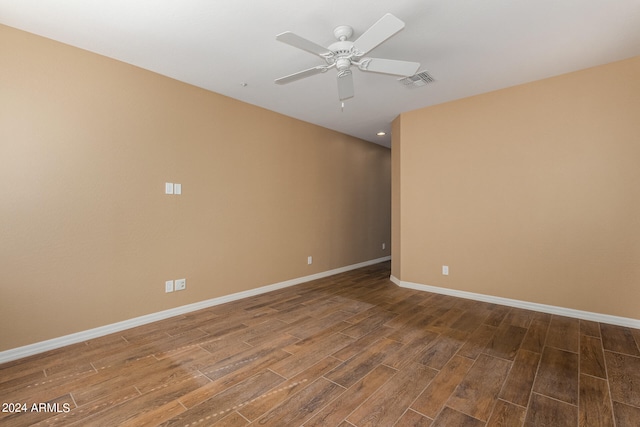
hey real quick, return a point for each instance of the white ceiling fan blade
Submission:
(345, 85)
(301, 43)
(387, 26)
(389, 66)
(302, 74)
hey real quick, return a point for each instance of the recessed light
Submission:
(381, 133)
(243, 84)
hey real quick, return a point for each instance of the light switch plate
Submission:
(177, 188)
(168, 286)
(168, 188)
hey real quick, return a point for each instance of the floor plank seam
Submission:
(526, 410)
(232, 365)
(61, 378)
(478, 419)
(624, 403)
(172, 383)
(593, 376)
(635, 356)
(513, 403)
(238, 406)
(579, 375)
(411, 408)
(80, 410)
(555, 398)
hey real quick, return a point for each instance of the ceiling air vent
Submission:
(423, 78)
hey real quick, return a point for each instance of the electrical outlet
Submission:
(309, 260)
(445, 270)
(181, 284)
(168, 286)
(177, 189)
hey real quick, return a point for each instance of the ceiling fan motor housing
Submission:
(343, 32)
(342, 48)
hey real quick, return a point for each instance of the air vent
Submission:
(423, 78)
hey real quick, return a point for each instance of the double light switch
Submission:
(171, 188)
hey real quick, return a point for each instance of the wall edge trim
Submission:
(52, 344)
(544, 308)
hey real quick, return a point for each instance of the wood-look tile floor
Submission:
(349, 350)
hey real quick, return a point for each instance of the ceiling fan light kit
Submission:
(344, 53)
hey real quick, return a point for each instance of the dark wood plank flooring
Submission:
(348, 350)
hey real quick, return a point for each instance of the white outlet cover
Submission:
(177, 188)
(181, 284)
(168, 286)
(309, 260)
(445, 270)
(168, 188)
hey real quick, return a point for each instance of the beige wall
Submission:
(88, 236)
(396, 225)
(530, 193)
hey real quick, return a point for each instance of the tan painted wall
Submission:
(396, 200)
(530, 193)
(88, 236)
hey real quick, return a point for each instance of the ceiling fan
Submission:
(344, 53)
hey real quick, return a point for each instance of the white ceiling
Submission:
(468, 46)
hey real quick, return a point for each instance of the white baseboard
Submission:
(40, 347)
(544, 308)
